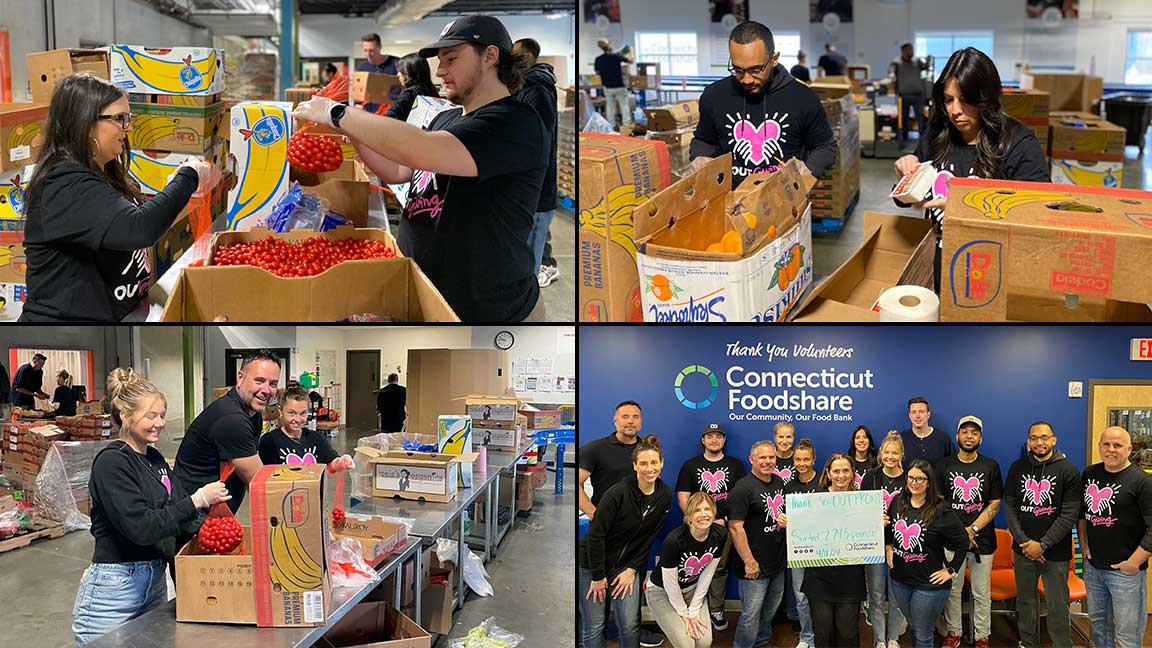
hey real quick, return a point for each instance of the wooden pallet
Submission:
(42, 531)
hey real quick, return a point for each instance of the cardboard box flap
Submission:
(774, 199)
(1038, 204)
(472, 399)
(695, 192)
(369, 451)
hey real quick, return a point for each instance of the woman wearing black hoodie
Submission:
(616, 546)
(969, 135)
(88, 226)
(138, 509)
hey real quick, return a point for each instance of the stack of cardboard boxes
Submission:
(674, 125)
(86, 427)
(1079, 92)
(1029, 107)
(566, 153)
(617, 174)
(833, 194)
(1086, 150)
(27, 447)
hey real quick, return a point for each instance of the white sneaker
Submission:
(893, 644)
(803, 644)
(547, 275)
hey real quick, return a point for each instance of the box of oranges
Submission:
(711, 254)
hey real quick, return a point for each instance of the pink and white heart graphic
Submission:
(693, 566)
(940, 187)
(167, 483)
(909, 534)
(294, 459)
(713, 479)
(420, 180)
(964, 489)
(784, 474)
(1039, 492)
(859, 479)
(756, 143)
(774, 504)
(888, 495)
(1097, 499)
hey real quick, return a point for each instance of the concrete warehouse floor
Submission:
(560, 297)
(39, 582)
(877, 176)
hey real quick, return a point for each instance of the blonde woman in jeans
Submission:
(678, 588)
(138, 509)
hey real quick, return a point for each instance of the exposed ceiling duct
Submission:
(396, 13)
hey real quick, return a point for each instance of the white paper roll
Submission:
(909, 304)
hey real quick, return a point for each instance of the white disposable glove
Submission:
(316, 109)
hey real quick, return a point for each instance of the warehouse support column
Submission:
(287, 45)
(190, 410)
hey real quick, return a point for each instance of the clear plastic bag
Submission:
(597, 124)
(346, 565)
(63, 479)
(475, 576)
(298, 210)
(488, 635)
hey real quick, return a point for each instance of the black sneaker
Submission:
(719, 622)
(650, 639)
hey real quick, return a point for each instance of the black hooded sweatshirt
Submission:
(622, 531)
(539, 91)
(766, 130)
(1042, 502)
(87, 244)
(135, 517)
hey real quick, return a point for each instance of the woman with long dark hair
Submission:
(920, 527)
(88, 225)
(970, 136)
(416, 77)
(862, 451)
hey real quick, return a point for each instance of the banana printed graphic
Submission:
(152, 174)
(169, 77)
(25, 135)
(613, 219)
(1104, 174)
(292, 568)
(996, 203)
(261, 163)
(454, 444)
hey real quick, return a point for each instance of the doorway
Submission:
(1128, 404)
(363, 383)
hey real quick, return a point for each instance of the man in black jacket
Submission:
(760, 114)
(539, 91)
(1042, 495)
(390, 402)
(28, 383)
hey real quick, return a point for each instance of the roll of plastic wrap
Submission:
(909, 304)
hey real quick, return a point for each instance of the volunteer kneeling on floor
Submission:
(138, 509)
(88, 225)
(292, 443)
(476, 173)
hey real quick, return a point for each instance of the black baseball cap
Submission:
(478, 30)
(713, 427)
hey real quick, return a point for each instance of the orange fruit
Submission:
(771, 232)
(731, 242)
(715, 247)
(750, 219)
(661, 287)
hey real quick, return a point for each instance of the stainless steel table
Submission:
(158, 626)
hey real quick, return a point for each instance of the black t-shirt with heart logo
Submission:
(759, 504)
(1118, 510)
(967, 488)
(717, 478)
(470, 235)
(687, 555)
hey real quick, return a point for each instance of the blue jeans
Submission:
(921, 606)
(113, 593)
(1116, 605)
(916, 102)
(758, 602)
(885, 627)
(803, 614)
(626, 610)
(539, 236)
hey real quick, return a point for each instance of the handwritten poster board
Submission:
(826, 529)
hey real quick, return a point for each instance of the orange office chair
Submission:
(1003, 581)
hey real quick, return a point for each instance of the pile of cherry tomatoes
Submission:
(315, 153)
(220, 535)
(303, 259)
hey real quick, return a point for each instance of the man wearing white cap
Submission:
(476, 172)
(971, 485)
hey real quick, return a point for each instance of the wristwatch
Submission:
(337, 113)
(975, 529)
(951, 572)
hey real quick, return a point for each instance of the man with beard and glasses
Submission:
(761, 114)
(476, 173)
(970, 484)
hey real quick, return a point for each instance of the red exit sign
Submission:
(1141, 349)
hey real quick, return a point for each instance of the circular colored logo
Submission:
(707, 373)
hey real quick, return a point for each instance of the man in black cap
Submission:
(476, 173)
(715, 474)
